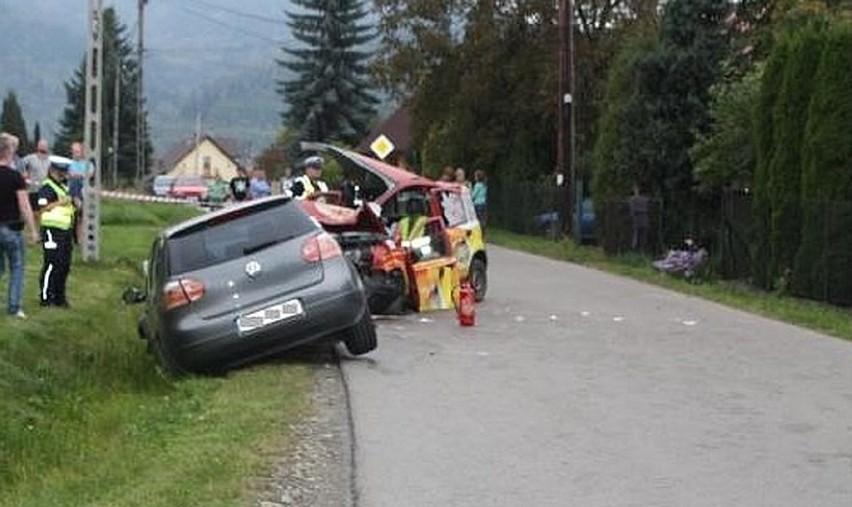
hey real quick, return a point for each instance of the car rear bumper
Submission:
(329, 307)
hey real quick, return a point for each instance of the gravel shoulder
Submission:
(316, 472)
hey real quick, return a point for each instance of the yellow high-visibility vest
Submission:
(62, 216)
(412, 227)
(309, 187)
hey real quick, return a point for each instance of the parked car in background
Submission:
(399, 272)
(162, 185)
(189, 187)
(587, 221)
(244, 282)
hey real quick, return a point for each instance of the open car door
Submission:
(433, 269)
(464, 233)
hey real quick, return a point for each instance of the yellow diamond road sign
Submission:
(382, 146)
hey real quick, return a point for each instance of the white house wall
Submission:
(206, 160)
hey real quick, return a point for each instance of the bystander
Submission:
(479, 195)
(240, 185)
(35, 165)
(15, 213)
(638, 206)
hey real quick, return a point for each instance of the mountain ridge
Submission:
(203, 60)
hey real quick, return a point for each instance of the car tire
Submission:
(142, 329)
(478, 277)
(386, 294)
(361, 338)
(166, 359)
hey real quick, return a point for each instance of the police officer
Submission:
(309, 183)
(413, 224)
(56, 215)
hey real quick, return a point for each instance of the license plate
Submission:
(270, 315)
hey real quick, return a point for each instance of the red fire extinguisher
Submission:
(466, 308)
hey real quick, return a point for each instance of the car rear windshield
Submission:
(240, 232)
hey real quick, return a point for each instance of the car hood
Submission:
(338, 219)
(393, 177)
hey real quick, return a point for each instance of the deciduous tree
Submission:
(725, 156)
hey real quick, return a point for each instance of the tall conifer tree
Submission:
(36, 133)
(823, 265)
(117, 59)
(12, 121)
(330, 97)
(673, 86)
(785, 164)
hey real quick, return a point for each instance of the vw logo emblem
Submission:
(253, 268)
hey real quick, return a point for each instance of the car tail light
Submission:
(182, 292)
(320, 247)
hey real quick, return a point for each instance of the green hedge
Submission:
(827, 176)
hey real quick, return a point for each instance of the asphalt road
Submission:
(578, 388)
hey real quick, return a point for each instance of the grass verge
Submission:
(825, 318)
(87, 419)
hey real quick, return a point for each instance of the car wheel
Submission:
(478, 278)
(142, 329)
(386, 294)
(165, 358)
(361, 338)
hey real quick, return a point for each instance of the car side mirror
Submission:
(133, 295)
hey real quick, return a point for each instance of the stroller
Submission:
(684, 262)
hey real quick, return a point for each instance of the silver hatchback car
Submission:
(236, 285)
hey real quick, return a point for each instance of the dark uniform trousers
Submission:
(57, 245)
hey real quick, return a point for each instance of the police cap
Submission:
(315, 161)
(59, 163)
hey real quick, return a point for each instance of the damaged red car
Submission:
(413, 240)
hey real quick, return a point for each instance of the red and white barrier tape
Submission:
(127, 196)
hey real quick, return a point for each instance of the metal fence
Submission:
(525, 207)
(723, 224)
(824, 268)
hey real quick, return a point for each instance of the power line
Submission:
(256, 17)
(259, 66)
(205, 49)
(226, 25)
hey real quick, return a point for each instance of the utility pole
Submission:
(565, 116)
(116, 116)
(140, 97)
(92, 131)
(197, 142)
